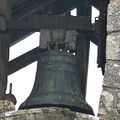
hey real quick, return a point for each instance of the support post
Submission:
(4, 54)
(4, 46)
(82, 46)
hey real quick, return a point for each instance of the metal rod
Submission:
(51, 25)
(66, 25)
(10, 89)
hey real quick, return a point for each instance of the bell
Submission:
(57, 83)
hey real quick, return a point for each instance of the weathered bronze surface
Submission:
(57, 83)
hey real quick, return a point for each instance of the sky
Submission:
(23, 79)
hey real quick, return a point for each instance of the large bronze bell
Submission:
(57, 83)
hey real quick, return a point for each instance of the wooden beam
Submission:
(30, 7)
(18, 36)
(24, 60)
(35, 23)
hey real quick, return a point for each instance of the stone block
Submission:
(41, 114)
(112, 74)
(81, 116)
(22, 117)
(46, 114)
(113, 46)
(38, 116)
(6, 106)
(113, 16)
(108, 108)
(109, 118)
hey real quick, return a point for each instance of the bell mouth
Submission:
(88, 109)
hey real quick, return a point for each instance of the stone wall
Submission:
(7, 112)
(40, 114)
(5, 106)
(45, 114)
(110, 97)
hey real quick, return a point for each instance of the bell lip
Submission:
(72, 108)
